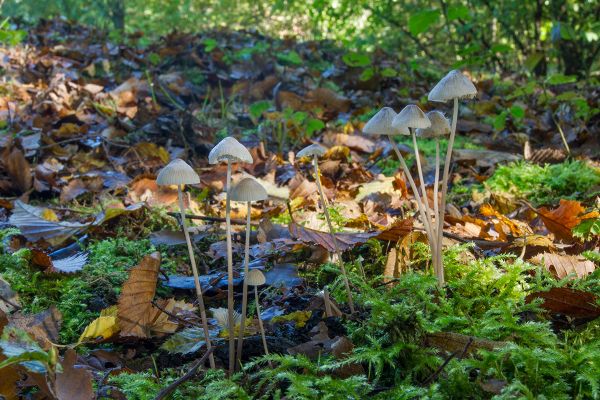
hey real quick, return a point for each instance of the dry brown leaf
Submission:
(458, 343)
(391, 266)
(146, 189)
(561, 266)
(328, 100)
(19, 170)
(345, 241)
(397, 230)
(74, 382)
(563, 219)
(570, 302)
(503, 225)
(135, 310)
(43, 327)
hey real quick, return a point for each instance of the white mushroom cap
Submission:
(177, 172)
(312, 150)
(255, 277)
(248, 189)
(229, 149)
(440, 126)
(411, 116)
(453, 85)
(381, 124)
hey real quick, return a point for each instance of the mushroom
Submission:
(231, 151)
(316, 150)
(179, 173)
(453, 86)
(413, 117)
(256, 278)
(382, 124)
(248, 190)
(439, 128)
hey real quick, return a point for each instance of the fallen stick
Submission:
(171, 388)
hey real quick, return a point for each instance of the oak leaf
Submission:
(562, 266)
(563, 219)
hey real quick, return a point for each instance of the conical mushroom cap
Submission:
(248, 189)
(439, 126)
(177, 172)
(411, 116)
(453, 85)
(381, 124)
(311, 150)
(255, 277)
(229, 149)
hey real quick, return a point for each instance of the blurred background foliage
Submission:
(535, 36)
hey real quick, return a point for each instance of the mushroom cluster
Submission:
(412, 121)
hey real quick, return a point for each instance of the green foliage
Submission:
(587, 229)
(19, 348)
(145, 386)
(545, 184)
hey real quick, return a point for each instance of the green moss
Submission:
(546, 184)
(145, 386)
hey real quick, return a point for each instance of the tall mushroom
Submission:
(315, 150)
(179, 173)
(381, 124)
(439, 128)
(229, 150)
(256, 278)
(248, 190)
(453, 86)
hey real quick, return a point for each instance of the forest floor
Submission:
(87, 124)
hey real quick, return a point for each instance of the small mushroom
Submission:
(229, 150)
(440, 127)
(256, 278)
(453, 86)
(412, 117)
(248, 190)
(179, 173)
(382, 124)
(315, 150)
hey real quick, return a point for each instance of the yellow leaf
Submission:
(49, 215)
(104, 327)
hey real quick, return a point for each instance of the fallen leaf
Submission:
(563, 219)
(73, 382)
(345, 241)
(563, 265)
(457, 343)
(102, 328)
(570, 302)
(19, 170)
(43, 327)
(398, 229)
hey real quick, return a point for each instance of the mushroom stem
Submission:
(440, 228)
(245, 288)
(230, 320)
(260, 324)
(433, 236)
(436, 182)
(196, 279)
(333, 238)
(413, 187)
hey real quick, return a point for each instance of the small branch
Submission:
(212, 219)
(441, 367)
(164, 393)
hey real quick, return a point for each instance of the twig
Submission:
(170, 314)
(441, 367)
(164, 393)
(212, 219)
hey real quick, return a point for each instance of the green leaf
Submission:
(458, 12)
(257, 109)
(587, 228)
(298, 117)
(533, 60)
(389, 72)
(367, 74)
(560, 79)
(500, 48)
(209, 45)
(290, 57)
(517, 111)
(313, 125)
(421, 21)
(500, 121)
(154, 58)
(355, 59)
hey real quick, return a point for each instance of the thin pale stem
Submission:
(333, 238)
(260, 324)
(413, 187)
(230, 320)
(440, 267)
(245, 288)
(196, 278)
(436, 182)
(432, 239)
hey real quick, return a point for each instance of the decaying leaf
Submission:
(104, 327)
(570, 302)
(564, 265)
(74, 382)
(345, 241)
(43, 327)
(563, 219)
(459, 343)
(19, 170)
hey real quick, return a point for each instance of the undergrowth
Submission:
(546, 184)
